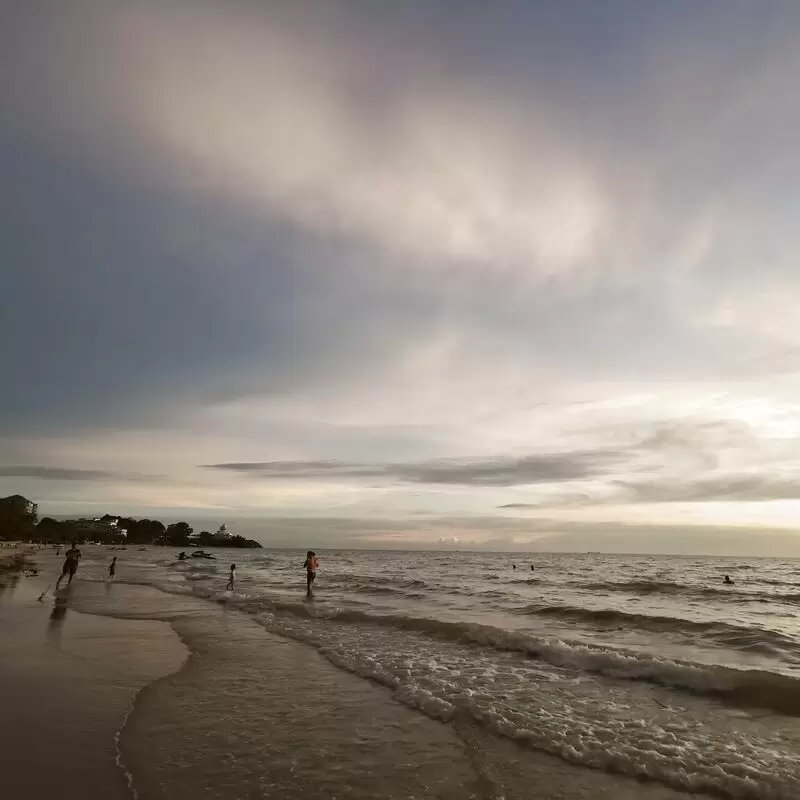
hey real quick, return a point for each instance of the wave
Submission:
(719, 633)
(747, 688)
(756, 688)
(772, 582)
(639, 587)
(668, 587)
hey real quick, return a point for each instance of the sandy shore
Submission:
(67, 681)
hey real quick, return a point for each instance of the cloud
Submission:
(736, 487)
(730, 488)
(360, 246)
(500, 471)
(68, 474)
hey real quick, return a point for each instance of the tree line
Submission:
(19, 522)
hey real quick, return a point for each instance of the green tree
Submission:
(52, 530)
(178, 534)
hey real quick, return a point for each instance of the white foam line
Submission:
(120, 761)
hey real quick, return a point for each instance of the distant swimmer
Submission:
(728, 580)
(311, 566)
(513, 566)
(531, 567)
(112, 568)
(232, 578)
(73, 556)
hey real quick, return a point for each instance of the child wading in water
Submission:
(232, 579)
(112, 568)
(311, 565)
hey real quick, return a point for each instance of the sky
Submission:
(515, 275)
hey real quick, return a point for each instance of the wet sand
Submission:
(247, 715)
(66, 684)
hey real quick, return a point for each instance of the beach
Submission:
(143, 689)
(67, 682)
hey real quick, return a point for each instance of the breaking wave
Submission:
(748, 688)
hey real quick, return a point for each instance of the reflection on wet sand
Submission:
(8, 584)
(57, 617)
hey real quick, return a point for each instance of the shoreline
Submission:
(64, 695)
(231, 710)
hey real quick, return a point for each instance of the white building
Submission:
(98, 525)
(222, 534)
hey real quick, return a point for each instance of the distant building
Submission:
(222, 534)
(21, 504)
(97, 525)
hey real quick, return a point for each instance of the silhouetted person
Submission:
(531, 567)
(112, 568)
(311, 565)
(232, 579)
(513, 566)
(73, 556)
(728, 580)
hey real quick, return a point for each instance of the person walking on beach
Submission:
(112, 568)
(232, 579)
(73, 556)
(311, 565)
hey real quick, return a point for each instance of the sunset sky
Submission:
(507, 275)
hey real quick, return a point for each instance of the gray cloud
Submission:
(725, 487)
(499, 471)
(69, 474)
(184, 293)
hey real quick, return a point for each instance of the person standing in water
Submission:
(73, 556)
(112, 568)
(311, 564)
(231, 578)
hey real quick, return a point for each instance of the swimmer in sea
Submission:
(311, 565)
(727, 581)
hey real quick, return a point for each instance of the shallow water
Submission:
(642, 666)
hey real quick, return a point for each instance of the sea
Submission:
(646, 668)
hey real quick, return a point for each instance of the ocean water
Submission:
(643, 667)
